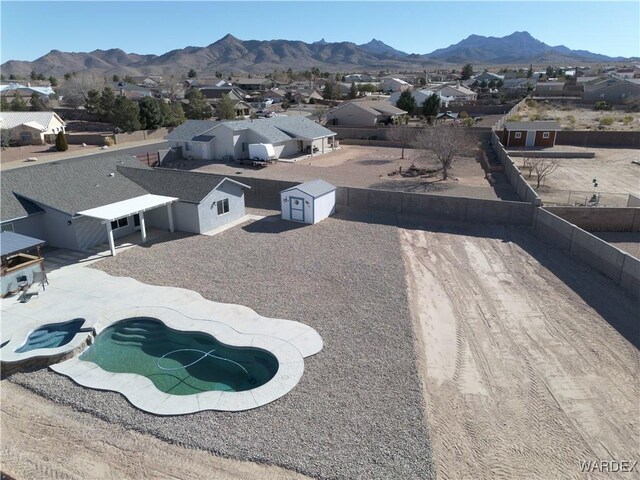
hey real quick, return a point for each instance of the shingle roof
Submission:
(374, 107)
(69, 185)
(190, 129)
(11, 243)
(187, 186)
(13, 119)
(315, 188)
(298, 126)
(541, 125)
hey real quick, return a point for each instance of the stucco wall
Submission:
(209, 218)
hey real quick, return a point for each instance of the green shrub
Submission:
(603, 106)
(515, 118)
(606, 121)
(627, 119)
(61, 142)
(531, 103)
(571, 119)
(463, 114)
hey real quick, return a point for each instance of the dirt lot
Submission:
(573, 117)
(523, 376)
(13, 155)
(369, 167)
(572, 183)
(36, 425)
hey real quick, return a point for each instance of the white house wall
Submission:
(185, 217)
(208, 212)
(324, 206)
(351, 115)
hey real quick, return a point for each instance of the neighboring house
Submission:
(518, 86)
(394, 85)
(459, 93)
(205, 201)
(80, 203)
(229, 140)
(549, 89)
(487, 77)
(32, 128)
(214, 94)
(253, 84)
(420, 96)
(131, 91)
(448, 115)
(277, 96)
(359, 78)
(304, 95)
(308, 202)
(363, 113)
(25, 91)
(611, 90)
(530, 134)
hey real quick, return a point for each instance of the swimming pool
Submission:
(52, 336)
(179, 362)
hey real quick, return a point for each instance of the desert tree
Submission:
(106, 104)
(527, 164)
(37, 103)
(18, 104)
(320, 113)
(403, 135)
(226, 108)
(61, 142)
(466, 72)
(192, 73)
(406, 102)
(431, 107)
(74, 90)
(172, 114)
(4, 105)
(543, 168)
(445, 143)
(353, 91)
(125, 114)
(150, 113)
(198, 108)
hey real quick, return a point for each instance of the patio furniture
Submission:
(41, 279)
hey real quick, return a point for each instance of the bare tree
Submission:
(320, 113)
(445, 142)
(527, 163)
(543, 168)
(402, 135)
(73, 92)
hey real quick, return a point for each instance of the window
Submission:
(517, 135)
(7, 227)
(244, 146)
(545, 134)
(25, 137)
(120, 223)
(223, 206)
(187, 147)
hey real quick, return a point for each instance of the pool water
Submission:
(52, 336)
(178, 362)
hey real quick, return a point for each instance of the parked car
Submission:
(264, 114)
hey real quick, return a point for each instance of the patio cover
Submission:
(11, 243)
(126, 208)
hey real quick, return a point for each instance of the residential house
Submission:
(364, 113)
(303, 95)
(611, 90)
(25, 91)
(32, 128)
(393, 84)
(487, 77)
(79, 203)
(359, 78)
(229, 140)
(458, 92)
(530, 134)
(421, 95)
(254, 84)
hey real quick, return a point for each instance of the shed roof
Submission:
(13, 119)
(190, 129)
(192, 187)
(11, 242)
(314, 188)
(532, 126)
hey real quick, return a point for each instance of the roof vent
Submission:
(112, 174)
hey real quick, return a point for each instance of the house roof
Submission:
(14, 119)
(541, 125)
(252, 81)
(188, 186)
(372, 106)
(314, 188)
(11, 243)
(191, 129)
(69, 186)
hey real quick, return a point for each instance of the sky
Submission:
(30, 29)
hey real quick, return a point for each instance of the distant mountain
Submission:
(230, 54)
(517, 48)
(380, 48)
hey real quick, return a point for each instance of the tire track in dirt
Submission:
(517, 339)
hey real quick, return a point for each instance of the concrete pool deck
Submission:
(90, 293)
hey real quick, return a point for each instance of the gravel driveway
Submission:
(358, 411)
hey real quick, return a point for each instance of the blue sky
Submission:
(31, 29)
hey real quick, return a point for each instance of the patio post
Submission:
(112, 246)
(170, 213)
(143, 228)
(324, 139)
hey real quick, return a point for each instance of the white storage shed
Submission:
(308, 202)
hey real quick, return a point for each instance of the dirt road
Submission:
(523, 378)
(42, 440)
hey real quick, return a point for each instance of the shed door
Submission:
(531, 139)
(296, 206)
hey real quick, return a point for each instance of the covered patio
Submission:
(111, 213)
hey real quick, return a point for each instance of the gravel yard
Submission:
(358, 411)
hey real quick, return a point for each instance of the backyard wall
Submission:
(140, 135)
(600, 219)
(612, 262)
(584, 138)
(517, 181)
(265, 193)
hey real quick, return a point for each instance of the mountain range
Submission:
(230, 54)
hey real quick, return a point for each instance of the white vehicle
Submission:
(262, 152)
